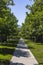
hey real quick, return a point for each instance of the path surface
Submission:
(22, 55)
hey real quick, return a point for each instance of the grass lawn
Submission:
(37, 50)
(6, 52)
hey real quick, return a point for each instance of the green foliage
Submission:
(33, 26)
(8, 21)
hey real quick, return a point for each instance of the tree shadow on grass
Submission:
(8, 44)
(4, 62)
(41, 63)
(6, 51)
(30, 47)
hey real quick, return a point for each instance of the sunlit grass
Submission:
(6, 53)
(37, 50)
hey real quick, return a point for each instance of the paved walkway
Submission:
(23, 56)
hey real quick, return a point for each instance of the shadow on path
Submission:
(21, 50)
(36, 64)
(16, 64)
(22, 45)
(20, 53)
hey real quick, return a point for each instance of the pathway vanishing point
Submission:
(22, 55)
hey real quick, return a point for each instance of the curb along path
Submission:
(22, 55)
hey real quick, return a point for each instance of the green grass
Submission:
(37, 50)
(6, 53)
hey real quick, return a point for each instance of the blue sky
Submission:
(19, 9)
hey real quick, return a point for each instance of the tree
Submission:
(8, 21)
(34, 21)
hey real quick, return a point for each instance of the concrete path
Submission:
(22, 55)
